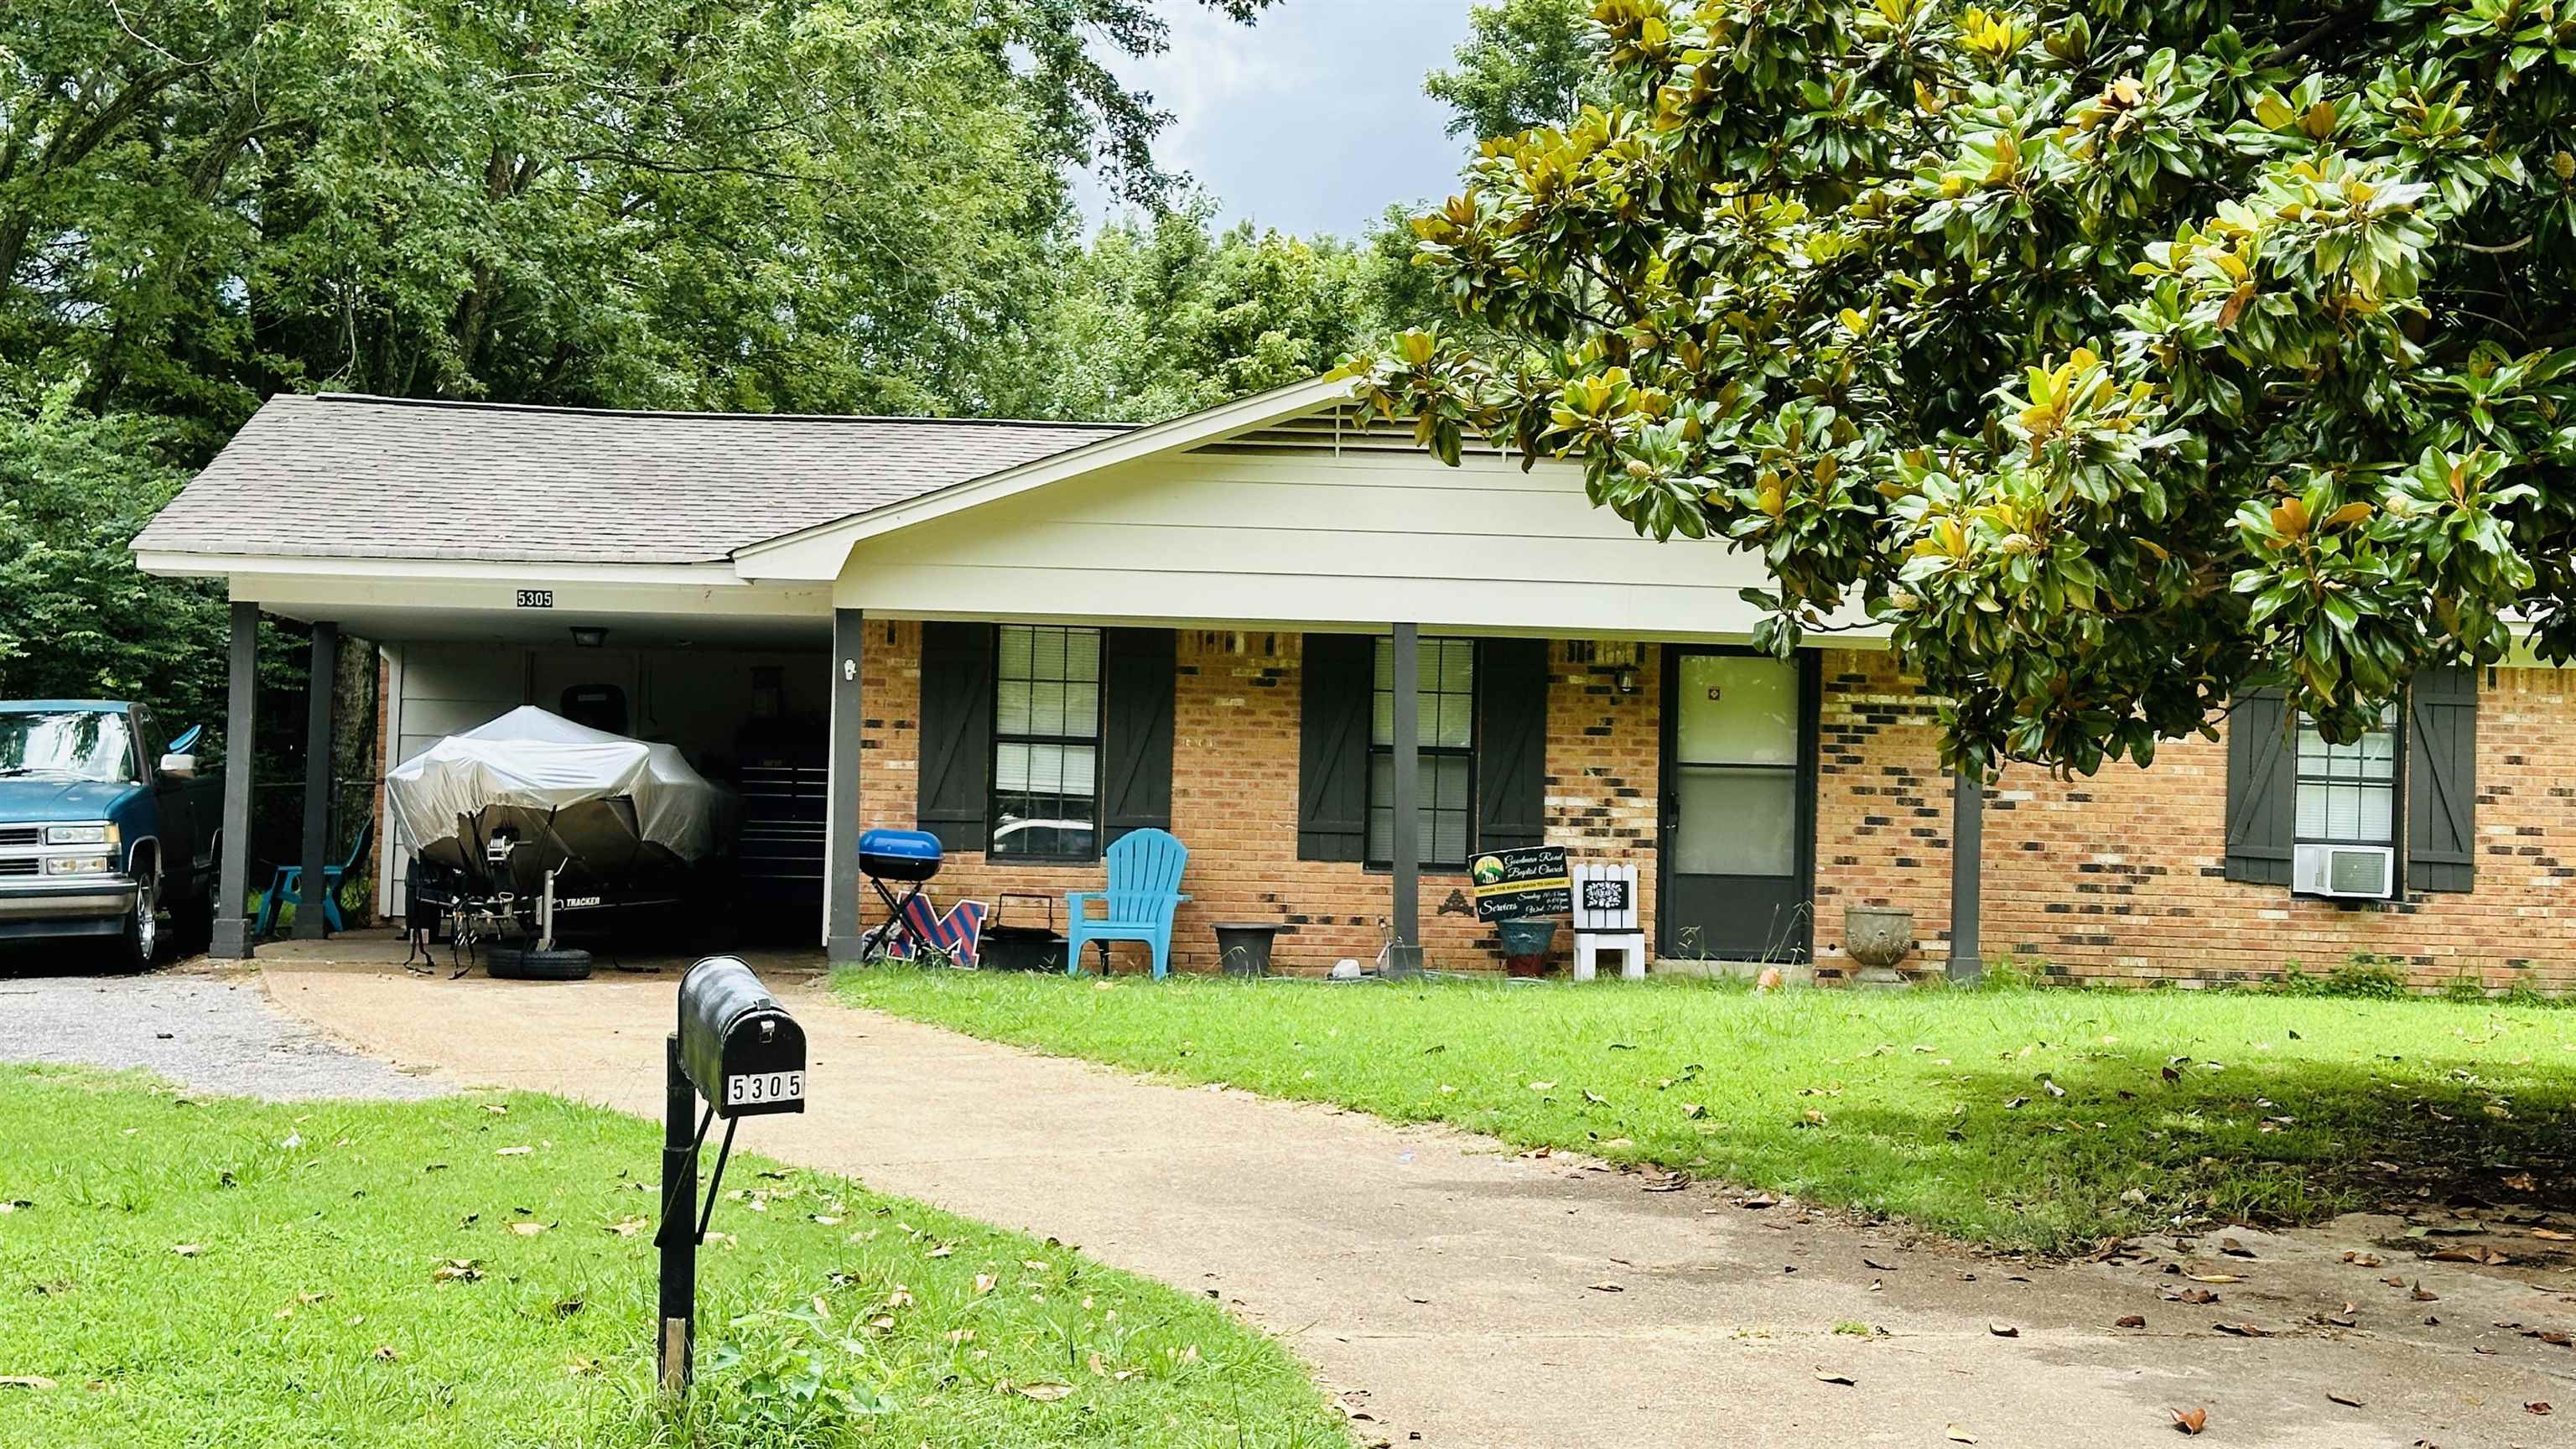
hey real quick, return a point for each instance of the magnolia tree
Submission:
(2116, 356)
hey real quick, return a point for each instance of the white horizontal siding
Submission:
(1311, 538)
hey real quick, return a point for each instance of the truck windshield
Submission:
(83, 744)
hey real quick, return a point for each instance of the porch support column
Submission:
(312, 916)
(1967, 872)
(841, 930)
(232, 924)
(1404, 939)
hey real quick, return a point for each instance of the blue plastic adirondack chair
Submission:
(288, 888)
(1144, 891)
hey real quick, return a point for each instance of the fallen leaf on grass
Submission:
(25, 1381)
(2553, 1235)
(1542, 1086)
(186, 1250)
(457, 1270)
(513, 1151)
(627, 1227)
(529, 1230)
(1831, 1376)
(2481, 1255)
(2190, 1421)
(385, 1353)
(1043, 1393)
(983, 1282)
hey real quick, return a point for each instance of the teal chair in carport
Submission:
(1144, 893)
(288, 888)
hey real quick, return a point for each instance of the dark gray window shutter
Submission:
(1136, 730)
(1333, 747)
(2442, 781)
(1511, 743)
(956, 733)
(2262, 789)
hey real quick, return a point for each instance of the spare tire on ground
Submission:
(527, 963)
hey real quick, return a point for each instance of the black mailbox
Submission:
(739, 1047)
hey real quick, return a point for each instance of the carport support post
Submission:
(232, 921)
(1404, 938)
(1967, 872)
(312, 916)
(842, 936)
(677, 1232)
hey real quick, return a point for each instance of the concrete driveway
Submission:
(1460, 1295)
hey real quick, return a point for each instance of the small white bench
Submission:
(1605, 919)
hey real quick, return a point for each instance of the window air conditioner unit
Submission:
(2352, 872)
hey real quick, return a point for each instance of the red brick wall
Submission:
(2116, 877)
(2122, 876)
(1882, 806)
(1234, 797)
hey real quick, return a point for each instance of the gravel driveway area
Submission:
(208, 1031)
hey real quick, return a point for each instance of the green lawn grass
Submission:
(217, 1272)
(1939, 1106)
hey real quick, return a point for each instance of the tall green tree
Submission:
(806, 204)
(1157, 316)
(1524, 63)
(2117, 355)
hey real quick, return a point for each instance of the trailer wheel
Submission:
(527, 963)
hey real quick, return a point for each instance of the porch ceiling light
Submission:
(588, 636)
(1627, 678)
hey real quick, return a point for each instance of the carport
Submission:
(578, 560)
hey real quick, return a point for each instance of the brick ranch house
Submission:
(1030, 637)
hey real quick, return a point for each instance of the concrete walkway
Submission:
(1462, 1297)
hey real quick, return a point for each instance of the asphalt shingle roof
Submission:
(367, 477)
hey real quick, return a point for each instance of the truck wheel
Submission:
(141, 941)
(527, 963)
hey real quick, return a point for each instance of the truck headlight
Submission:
(80, 835)
(77, 865)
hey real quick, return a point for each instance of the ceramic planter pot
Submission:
(1526, 944)
(1878, 936)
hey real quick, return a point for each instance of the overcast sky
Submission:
(1314, 118)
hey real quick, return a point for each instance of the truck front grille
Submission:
(20, 865)
(22, 835)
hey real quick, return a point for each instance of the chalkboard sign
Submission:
(1605, 893)
(1512, 884)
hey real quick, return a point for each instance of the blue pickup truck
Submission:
(103, 827)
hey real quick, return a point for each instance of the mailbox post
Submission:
(739, 1052)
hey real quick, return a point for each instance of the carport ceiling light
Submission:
(588, 636)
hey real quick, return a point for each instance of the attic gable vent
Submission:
(1341, 431)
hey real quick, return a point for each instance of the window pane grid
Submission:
(2347, 793)
(1046, 734)
(1446, 731)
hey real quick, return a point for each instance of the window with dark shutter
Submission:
(956, 732)
(2442, 781)
(2262, 790)
(1333, 747)
(1136, 731)
(1511, 744)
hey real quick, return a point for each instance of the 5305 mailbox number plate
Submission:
(755, 1087)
